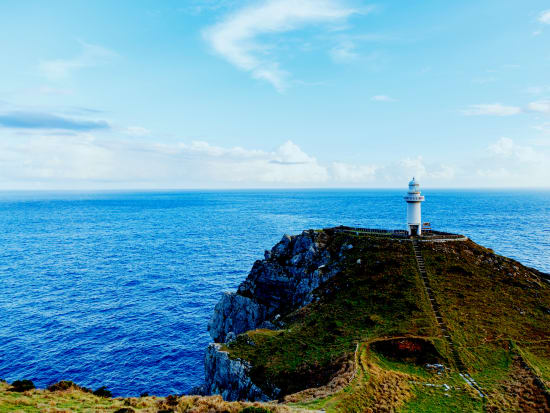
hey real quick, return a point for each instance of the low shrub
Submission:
(65, 385)
(103, 392)
(253, 409)
(172, 400)
(21, 385)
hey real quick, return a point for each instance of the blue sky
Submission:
(274, 93)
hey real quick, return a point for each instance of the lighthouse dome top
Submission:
(414, 186)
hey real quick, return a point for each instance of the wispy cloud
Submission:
(511, 163)
(48, 90)
(544, 128)
(91, 55)
(382, 98)
(236, 38)
(136, 131)
(497, 109)
(344, 52)
(350, 173)
(45, 121)
(537, 90)
(541, 106)
(493, 109)
(544, 17)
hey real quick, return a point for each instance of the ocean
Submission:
(116, 288)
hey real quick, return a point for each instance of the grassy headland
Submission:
(497, 312)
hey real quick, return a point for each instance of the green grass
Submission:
(75, 400)
(486, 304)
(486, 301)
(411, 369)
(379, 297)
(436, 400)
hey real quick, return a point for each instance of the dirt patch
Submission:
(408, 350)
(340, 380)
(524, 392)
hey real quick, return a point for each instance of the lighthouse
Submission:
(414, 216)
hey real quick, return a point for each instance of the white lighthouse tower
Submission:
(414, 216)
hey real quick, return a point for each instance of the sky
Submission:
(142, 94)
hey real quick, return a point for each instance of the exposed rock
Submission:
(230, 377)
(231, 337)
(277, 285)
(234, 313)
(282, 282)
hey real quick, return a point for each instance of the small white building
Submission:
(414, 216)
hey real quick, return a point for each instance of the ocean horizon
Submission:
(115, 288)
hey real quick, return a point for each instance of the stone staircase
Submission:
(440, 322)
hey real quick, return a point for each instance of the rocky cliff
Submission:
(283, 281)
(230, 378)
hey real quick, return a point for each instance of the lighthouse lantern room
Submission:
(414, 216)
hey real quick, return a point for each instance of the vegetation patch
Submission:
(73, 399)
(21, 386)
(378, 293)
(411, 350)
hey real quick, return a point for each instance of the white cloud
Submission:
(206, 149)
(511, 164)
(544, 17)
(136, 131)
(290, 153)
(349, 173)
(494, 109)
(542, 106)
(82, 161)
(544, 128)
(506, 148)
(236, 38)
(537, 90)
(90, 56)
(48, 90)
(403, 170)
(344, 52)
(382, 98)
(414, 167)
(58, 158)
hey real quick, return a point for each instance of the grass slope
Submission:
(77, 400)
(497, 311)
(380, 295)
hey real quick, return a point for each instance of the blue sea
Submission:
(116, 289)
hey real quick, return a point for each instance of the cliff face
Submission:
(283, 281)
(280, 283)
(230, 378)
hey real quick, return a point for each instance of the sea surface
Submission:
(116, 289)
